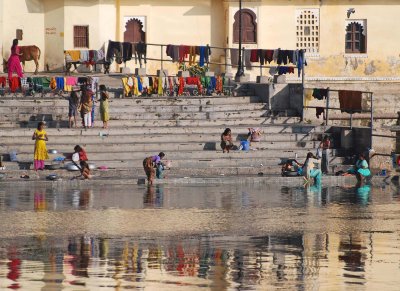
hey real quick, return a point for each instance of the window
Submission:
(19, 34)
(307, 30)
(135, 30)
(249, 27)
(356, 40)
(81, 36)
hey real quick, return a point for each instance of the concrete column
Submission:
(117, 25)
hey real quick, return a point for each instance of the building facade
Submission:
(344, 39)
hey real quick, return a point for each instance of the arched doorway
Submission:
(249, 27)
(134, 31)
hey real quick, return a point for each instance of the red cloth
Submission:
(254, 56)
(82, 155)
(350, 101)
(181, 86)
(3, 81)
(269, 54)
(192, 80)
(184, 51)
(14, 83)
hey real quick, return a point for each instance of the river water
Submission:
(199, 238)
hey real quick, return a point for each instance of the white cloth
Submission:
(145, 82)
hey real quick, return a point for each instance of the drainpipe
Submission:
(117, 25)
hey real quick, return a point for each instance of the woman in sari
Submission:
(149, 165)
(86, 107)
(40, 138)
(14, 63)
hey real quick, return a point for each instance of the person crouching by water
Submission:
(85, 171)
(312, 169)
(150, 164)
(360, 169)
(40, 138)
(226, 140)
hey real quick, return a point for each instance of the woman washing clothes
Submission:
(226, 140)
(360, 169)
(311, 169)
(152, 163)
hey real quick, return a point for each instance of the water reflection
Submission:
(259, 239)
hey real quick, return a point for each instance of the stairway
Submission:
(187, 129)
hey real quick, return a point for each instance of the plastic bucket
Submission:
(245, 145)
(13, 156)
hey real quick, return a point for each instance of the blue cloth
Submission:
(202, 50)
(159, 171)
(140, 86)
(317, 175)
(60, 83)
(361, 168)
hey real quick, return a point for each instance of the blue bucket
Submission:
(245, 145)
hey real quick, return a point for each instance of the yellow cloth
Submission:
(127, 89)
(75, 55)
(40, 146)
(160, 87)
(53, 83)
(67, 88)
(308, 96)
(135, 86)
(192, 55)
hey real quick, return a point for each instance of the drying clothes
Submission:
(350, 101)
(140, 86)
(269, 55)
(319, 111)
(83, 80)
(100, 54)
(140, 52)
(37, 84)
(46, 82)
(160, 86)
(24, 83)
(60, 83)
(53, 83)
(320, 93)
(234, 57)
(127, 88)
(173, 52)
(114, 51)
(254, 55)
(145, 82)
(275, 55)
(3, 81)
(192, 55)
(283, 56)
(74, 56)
(246, 59)
(300, 61)
(71, 81)
(192, 80)
(308, 96)
(84, 55)
(285, 70)
(94, 82)
(14, 83)
(205, 53)
(184, 51)
(218, 84)
(273, 70)
(126, 51)
(135, 86)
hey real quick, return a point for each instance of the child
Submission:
(85, 171)
(104, 106)
(226, 140)
(73, 102)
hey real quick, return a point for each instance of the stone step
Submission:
(226, 122)
(161, 146)
(120, 109)
(193, 163)
(149, 138)
(145, 116)
(266, 129)
(99, 154)
(160, 101)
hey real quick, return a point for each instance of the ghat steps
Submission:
(187, 128)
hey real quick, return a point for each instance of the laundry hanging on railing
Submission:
(89, 57)
(182, 52)
(350, 101)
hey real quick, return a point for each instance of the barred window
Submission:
(81, 36)
(356, 39)
(307, 30)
